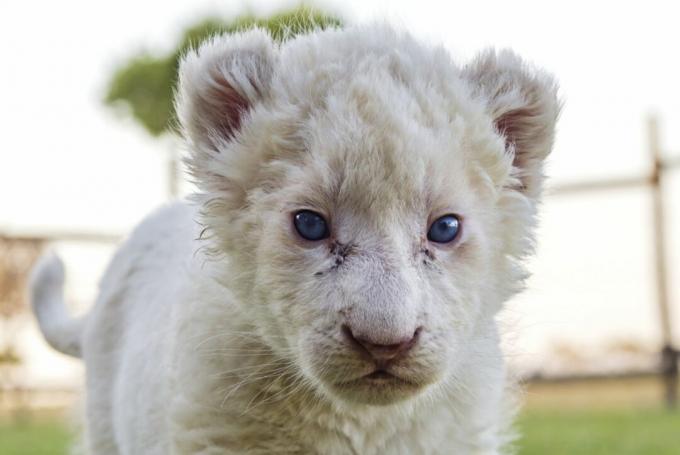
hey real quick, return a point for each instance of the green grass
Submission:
(545, 432)
(34, 437)
(602, 432)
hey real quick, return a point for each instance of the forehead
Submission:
(386, 125)
(375, 148)
(382, 161)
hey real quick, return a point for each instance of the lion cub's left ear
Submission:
(523, 104)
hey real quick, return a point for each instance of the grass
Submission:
(600, 432)
(34, 437)
(620, 432)
(613, 417)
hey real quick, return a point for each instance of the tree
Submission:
(146, 82)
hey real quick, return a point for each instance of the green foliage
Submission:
(146, 83)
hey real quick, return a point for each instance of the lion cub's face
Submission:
(373, 198)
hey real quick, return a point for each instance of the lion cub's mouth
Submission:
(380, 375)
(379, 387)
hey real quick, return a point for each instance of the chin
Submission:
(377, 389)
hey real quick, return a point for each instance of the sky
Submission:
(69, 163)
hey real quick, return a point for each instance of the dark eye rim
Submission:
(457, 235)
(326, 233)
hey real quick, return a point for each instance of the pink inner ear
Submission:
(509, 126)
(516, 128)
(225, 106)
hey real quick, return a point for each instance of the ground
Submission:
(615, 432)
(42, 436)
(621, 417)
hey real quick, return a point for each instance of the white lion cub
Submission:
(365, 206)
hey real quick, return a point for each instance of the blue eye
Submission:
(444, 229)
(310, 225)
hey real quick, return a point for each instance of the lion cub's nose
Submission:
(381, 350)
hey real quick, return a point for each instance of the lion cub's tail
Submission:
(46, 286)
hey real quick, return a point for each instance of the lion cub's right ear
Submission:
(218, 85)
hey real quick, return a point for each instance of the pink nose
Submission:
(379, 351)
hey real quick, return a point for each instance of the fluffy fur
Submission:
(218, 330)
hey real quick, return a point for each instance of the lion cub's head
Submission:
(373, 198)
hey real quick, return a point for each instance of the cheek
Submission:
(455, 304)
(286, 280)
(466, 272)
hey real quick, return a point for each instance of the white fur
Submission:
(228, 340)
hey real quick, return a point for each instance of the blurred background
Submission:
(88, 149)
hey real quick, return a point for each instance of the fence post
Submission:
(669, 356)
